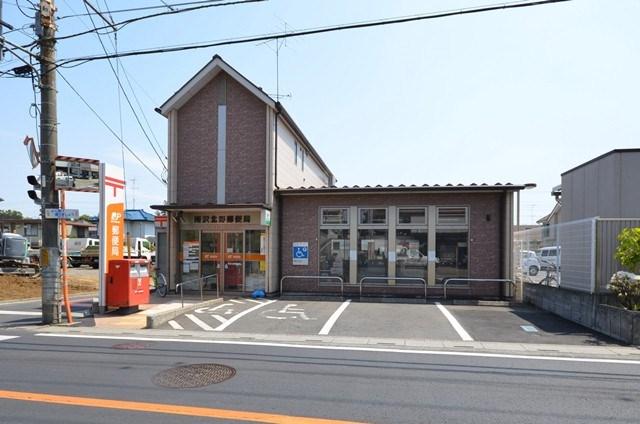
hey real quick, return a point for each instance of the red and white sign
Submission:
(112, 232)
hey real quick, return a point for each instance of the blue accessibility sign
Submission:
(300, 253)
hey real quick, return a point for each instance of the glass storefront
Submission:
(372, 253)
(411, 253)
(255, 260)
(233, 261)
(452, 253)
(210, 258)
(334, 253)
(189, 255)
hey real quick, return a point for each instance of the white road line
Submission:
(26, 313)
(454, 323)
(175, 325)
(236, 301)
(3, 338)
(333, 318)
(199, 322)
(233, 319)
(253, 300)
(351, 348)
(219, 318)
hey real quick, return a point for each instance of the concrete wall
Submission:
(606, 187)
(598, 312)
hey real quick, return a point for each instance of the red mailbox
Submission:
(127, 282)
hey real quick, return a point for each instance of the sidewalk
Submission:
(158, 311)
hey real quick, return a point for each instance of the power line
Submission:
(127, 97)
(138, 9)
(122, 24)
(110, 129)
(321, 30)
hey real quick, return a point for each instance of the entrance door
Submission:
(233, 278)
(210, 253)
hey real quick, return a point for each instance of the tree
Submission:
(84, 217)
(10, 214)
(628, 251)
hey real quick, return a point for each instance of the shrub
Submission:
(626, 287)
(628, 251)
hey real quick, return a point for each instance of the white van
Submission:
(549, 256)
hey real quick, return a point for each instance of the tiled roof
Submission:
(411, 187)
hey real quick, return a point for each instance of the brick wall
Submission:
(197, 144)
(301, 223)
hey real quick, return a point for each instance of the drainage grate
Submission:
(196, 375)
(129, 346)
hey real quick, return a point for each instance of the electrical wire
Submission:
(126, 22)
(291, 34)
(126, 146)
(124, 93)
(138, 9)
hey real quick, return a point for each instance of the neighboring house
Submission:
(250, 200)
(27, 227)
(139, 223)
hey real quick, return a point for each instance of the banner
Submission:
(111, 221)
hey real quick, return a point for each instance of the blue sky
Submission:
(508, 96)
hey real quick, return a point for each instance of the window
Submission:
(334, 216)
(302, 154)
(411, 253)
(452, 216)
(334, 253)
(372, 216)
(295, 154)
(372, 253)
(411, 216)
(451, 253)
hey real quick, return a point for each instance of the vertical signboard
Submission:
(111, 226)
(300, 253)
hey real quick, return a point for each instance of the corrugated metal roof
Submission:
(411, 187)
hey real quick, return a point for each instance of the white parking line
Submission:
(199, 322)
(25, 313)
(236, 301)
(333, 318)
(3, 338)
(175, 325)
(454, 323)
(233, 319)
(352, 348)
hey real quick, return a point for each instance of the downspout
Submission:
(276, 196)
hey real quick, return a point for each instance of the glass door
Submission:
(210, 258)
(233, 260)
(255, 258)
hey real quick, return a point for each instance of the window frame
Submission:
(453, 224)
(365, 226)
(410, 225)
(334, 226)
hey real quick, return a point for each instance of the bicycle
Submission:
(161, 285)
(551, 276)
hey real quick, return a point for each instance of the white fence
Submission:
(577, 255)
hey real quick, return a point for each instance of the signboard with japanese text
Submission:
(111, 217)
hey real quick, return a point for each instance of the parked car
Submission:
(549, 257)
(529, 262)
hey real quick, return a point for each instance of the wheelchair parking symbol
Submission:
(300, 253)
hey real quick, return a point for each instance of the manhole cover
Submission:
(196, 375)
(129, 346)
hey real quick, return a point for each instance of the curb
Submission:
(156, 319)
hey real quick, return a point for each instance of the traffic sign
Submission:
(61, 213)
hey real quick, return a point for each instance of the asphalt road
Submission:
(368, 385)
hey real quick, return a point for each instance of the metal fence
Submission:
(576, 255)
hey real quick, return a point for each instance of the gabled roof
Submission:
(473, 187)
(209, 72)
(137, 215)
(203, 77)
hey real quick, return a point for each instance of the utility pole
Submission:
(49, 252)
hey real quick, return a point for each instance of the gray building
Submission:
(606, 186)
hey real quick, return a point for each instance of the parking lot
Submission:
(432, 321)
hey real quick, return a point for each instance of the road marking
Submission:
(163, 408)
(350, 348)
(199, 322)
(529, 328)
(233, 319)
(236, 301)
(333, 318)
(175, 325)
(25, 313)
(288, 311)
(253, 300)
(3, 338)
(208, 309)
(454, 323)
(219, 318)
